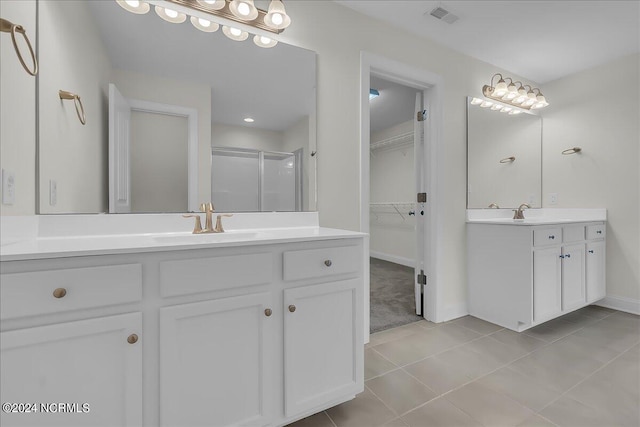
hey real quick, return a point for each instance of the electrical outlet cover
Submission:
(553, 198)
(8, 187)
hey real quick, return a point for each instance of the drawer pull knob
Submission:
(292, 308)
(59, 292)
(599, 232)
(552, 237)
(132, 339)
(268, 312)
(567, 256)
(328, 263)
(561, 256)
(591, 251)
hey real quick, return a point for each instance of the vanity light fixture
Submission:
(495, 106)
(513, 94)
(238, 18)
(373, 93)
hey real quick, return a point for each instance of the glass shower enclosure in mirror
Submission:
(160, 100)
(504, 157)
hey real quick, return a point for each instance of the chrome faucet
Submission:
(519, 213)
(494, 206)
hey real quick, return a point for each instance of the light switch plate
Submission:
(8, 187)
(553, 198)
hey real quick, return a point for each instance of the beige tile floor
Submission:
(582, 369)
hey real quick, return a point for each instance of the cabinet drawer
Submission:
(313, 263)
(192, 276)
(572, 233)
(598, 231)
(547, 236)
(55, 291)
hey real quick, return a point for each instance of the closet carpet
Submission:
(392, 295)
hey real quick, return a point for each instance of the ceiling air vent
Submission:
(444, 15)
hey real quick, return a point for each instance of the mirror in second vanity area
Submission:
(174, 116)
(504, 157)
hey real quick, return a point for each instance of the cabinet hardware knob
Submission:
(552, 237)
(292, 308)
(561, 256)
(591, 251)
(328, 263)
(268, 312)
(567, 256)
(132, 339)
(599, 232)
(59, 292)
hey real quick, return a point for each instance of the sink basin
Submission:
(527, 220)
(190, 239)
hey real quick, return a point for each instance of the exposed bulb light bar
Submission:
(373, 93)
(499, 107)
(511, 94)
(240, 17)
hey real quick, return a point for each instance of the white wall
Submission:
(598, 111)
(160, 170)
(70, 153)
(18, 118)
(176, 92)
(393, 180)
(338, 35)
(223, 135)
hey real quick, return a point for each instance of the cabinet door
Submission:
(323, 349)
(573, 283)
(596, 281)
(85, 362)
(546, 283)
(216, 359)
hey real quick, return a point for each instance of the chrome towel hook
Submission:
(9, 27)
(77, 102)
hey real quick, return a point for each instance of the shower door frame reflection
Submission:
(260, 156)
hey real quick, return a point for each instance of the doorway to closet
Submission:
(396, 145)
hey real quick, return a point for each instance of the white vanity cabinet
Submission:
(249, 335)
(523, 275)
(71, 372)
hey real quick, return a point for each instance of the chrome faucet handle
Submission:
(219, 228)
(197, 229)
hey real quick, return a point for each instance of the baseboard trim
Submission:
(454, 311)
(628, 305)
(393, 258)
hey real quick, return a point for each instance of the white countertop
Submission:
(533, 217)
(58, 236)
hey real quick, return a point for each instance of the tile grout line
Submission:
(586, 378)
(331, 419)
(384, 403)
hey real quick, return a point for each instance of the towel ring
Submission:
(508, 160)
(573, 150)
(9, 27)
(77, 102)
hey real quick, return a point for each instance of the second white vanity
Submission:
(522, 273)
(254, 327)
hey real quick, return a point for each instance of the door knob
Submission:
(268, 312)
(132, 339)
(292, 308)
(328, 263)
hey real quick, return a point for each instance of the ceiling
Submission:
(275, 86)
(395, 105)
(540, 40)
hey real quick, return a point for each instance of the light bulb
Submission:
(506, 109)
(133, 3)
(514, 112)
(236, 32)
(204, 22)
(510, 95)
(204, 25)
(212, 4)
(134, 6)
(244, 9)
(495, 107)
(264, 41)
(486, 104)
(512, 87)
(171, 13)
(276, 16)
(528, 103)
(476, 101)
(519, 100)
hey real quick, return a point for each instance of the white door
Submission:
(204, 379)
(419, 151)
(547, 275)
(323, 354)
(596, 281)
(88, 362)
(119, 152)
(573, 283)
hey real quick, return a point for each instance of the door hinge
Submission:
(422, 197)
(421, 116)
(422, 278)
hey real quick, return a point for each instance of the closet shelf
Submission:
(398, 141)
